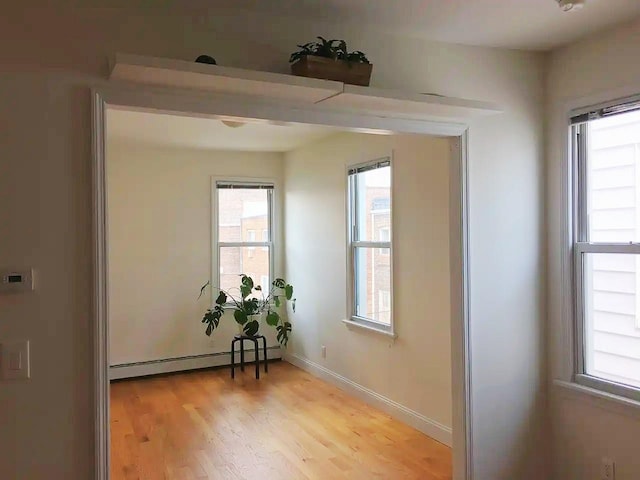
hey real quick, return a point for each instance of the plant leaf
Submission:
(283, 333)
(202, 289)
(250, 306)
(279, 283)
(212, 319)
(273, 318)
(276, 300)
(247, 281)
(288, 291)
(245, 291)
(222, 298)
(251, 328)
(240, 316)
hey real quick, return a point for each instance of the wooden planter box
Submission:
(329, 69)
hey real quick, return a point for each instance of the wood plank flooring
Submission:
(288, 425)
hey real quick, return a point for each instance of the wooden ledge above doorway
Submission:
(275, 86)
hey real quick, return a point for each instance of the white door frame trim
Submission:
(198, 104)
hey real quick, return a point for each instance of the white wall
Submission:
(600, 68)
(51, 56)
(159, 217)
(415, 369)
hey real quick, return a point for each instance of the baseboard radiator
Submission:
(178, 364)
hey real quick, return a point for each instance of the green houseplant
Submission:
(248, 309)
(331, 60)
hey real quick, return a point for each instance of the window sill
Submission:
(370, 327)
(598, 398)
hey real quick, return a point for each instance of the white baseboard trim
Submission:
(433, 429)
(169, 365)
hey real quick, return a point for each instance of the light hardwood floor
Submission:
(288, 425)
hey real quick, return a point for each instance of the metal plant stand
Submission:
(254, 339)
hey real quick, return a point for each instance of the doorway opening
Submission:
(164, 219)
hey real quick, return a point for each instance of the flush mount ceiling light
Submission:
(233, 123)
(570, 5)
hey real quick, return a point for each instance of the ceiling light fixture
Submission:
(570, 5)
(233, 123)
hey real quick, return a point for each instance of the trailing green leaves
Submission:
(334, 49)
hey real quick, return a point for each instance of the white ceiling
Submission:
(164, 130)
(521, 24)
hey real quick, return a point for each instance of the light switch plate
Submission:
(14, 360)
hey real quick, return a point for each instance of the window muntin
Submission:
(384, 235)
(606, 153)
(370, 227)
(242, 210)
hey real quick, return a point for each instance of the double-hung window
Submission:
(240, 210)
(606, 247)
(370, 240)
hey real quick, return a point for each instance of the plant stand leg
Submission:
(255, 340)
(242, 354)
(264, 347)
(233, 359)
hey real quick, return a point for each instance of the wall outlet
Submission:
(324, 351)
(607, 469)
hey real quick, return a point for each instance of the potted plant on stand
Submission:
(330, 60)
(250, 306)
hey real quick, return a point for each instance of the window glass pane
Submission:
(373, 203)
(242, 213)
(612, 327)
(373, 284)
(235, 261)
(613, 178)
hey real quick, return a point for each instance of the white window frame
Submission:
(216, 245)
(383, 251)
(353, 243)
(581, 246)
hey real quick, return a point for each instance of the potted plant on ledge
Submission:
(330, 60)
(250, 306)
